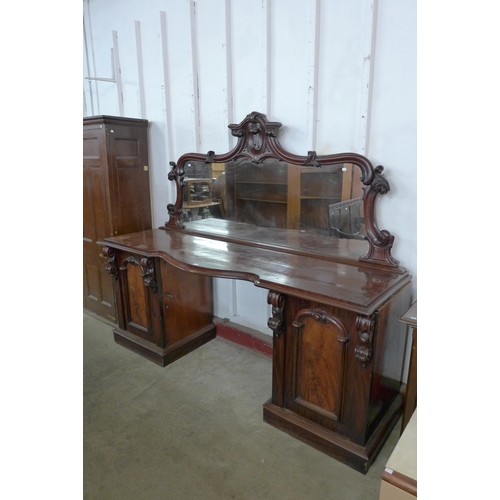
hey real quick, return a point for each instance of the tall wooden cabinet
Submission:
(116, 198)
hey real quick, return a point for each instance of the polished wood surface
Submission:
(163, 312)
(300, 242)
(338, 346)
(116, 198)
(356, 288)
(338, 343)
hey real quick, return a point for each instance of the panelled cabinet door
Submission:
(97, 285)
(130, 197)
(186, 302)
(317, 355)
(138, 287)
(326, 380)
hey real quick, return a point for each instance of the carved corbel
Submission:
(365, 325)
(110, 256)
(148, 273)
(276, 323)
(176, 174)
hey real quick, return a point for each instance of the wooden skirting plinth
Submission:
(358, 457)
(164, 356)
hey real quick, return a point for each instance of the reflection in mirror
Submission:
(203, 191)
(273, 194)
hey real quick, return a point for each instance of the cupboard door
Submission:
(326, 378)
(98, 294)
(187, 302)
(130, 199)
(316, 363)
(138, 291)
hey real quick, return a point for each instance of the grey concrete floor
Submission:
(194, 430)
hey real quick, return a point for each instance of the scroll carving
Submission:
(257, 141)
(365, 325)
(147, 270)
(380, 242)
(148, 274)
(175, 211)
(276, 323)
(323, 317)
(110, 255)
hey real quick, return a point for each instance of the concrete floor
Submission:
(194, 430)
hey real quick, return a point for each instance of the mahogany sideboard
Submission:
(338, 344)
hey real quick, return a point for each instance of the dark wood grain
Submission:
(163, 312)
(298, 242)
(355, 288)
(336, 304)
(116, 198)
(186, 301)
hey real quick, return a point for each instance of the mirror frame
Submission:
(258, 140)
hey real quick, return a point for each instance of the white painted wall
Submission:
(339, 74)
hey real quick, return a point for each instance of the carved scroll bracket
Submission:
(365, 325)
(175, 210)
(276, 323)
(147, 270)
(380, 242)
(110, 255)
(258, 141)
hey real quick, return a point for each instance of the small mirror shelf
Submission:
(261, 194)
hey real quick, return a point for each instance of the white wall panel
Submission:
(212, 75)
(393, 125)
(311, 64)
(289, 71)
(247, 25)
(342, 29)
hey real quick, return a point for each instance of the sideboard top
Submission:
(357, 288)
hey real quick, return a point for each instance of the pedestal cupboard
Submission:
(116, 198)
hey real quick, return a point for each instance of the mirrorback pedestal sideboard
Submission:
(304, 228)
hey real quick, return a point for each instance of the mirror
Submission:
(274, 194)
(262, 194)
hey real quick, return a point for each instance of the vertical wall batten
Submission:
(306, 63)
(228, 91)
(85, 42)
(169, 141)
(368, 52)
(266, 57)
(92, 54)
(118, 72)
(194, 74)
(312, 73)
(140, 70)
